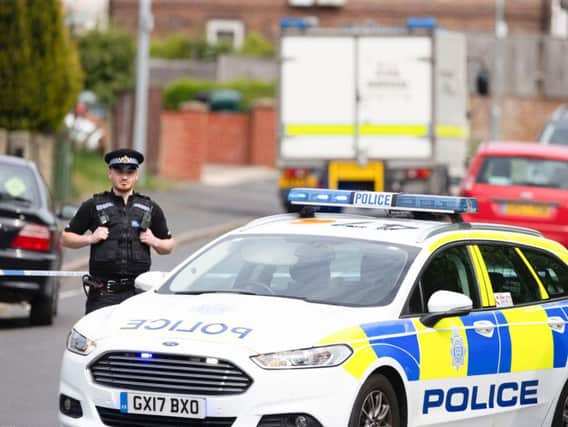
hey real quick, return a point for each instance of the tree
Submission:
(40, 75)
(108, 59)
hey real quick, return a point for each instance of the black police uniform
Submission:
(115, 262)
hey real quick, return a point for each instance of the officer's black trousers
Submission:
(99, 298)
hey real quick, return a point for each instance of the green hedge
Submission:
(184, 90)
(182, 46)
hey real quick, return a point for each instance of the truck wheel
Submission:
(561, 412)
(44, 306)
(376, 405)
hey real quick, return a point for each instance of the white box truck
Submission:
(371, 109)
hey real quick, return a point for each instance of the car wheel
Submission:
(376, 405)
(561, 412)
(44, 306)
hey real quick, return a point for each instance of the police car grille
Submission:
(114, 418)
(169, 373)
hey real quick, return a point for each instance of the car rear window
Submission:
(314, 268)
(524, 171)
(18, 185)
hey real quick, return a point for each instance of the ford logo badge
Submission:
(170, 343)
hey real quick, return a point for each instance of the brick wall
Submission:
(183, 144)
(228, 136)
(523, 118)
(263, 135)
(191, 16)
(194, 137)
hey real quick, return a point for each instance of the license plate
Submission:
(160, 404)
(524, 209)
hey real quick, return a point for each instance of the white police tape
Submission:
(41, 273)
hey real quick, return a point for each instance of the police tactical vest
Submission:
(122, 254)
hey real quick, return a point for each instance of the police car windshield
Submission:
(314, 268)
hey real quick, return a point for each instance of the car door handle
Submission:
(484, 328)
(557, 324)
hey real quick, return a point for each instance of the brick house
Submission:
(233, 18)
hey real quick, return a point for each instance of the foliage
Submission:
(108, 58)
(181, 46)
(175, 46)
(252, 90)
(40, 74)
(183, 90)
(256, 45)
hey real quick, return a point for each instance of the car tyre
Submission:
(376, 405)
(44, 306)
(561, 412)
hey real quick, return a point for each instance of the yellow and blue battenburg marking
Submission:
(455, 347)
(382, 200)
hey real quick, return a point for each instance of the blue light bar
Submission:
(382, 200)
(294, 22)
(421, 22)
(146, 355)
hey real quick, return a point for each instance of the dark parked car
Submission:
(29, 239)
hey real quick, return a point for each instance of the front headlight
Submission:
(316, 357)
(79, 344)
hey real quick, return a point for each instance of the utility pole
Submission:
(497, 81)
(145, 25)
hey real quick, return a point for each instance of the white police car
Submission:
(336, 320)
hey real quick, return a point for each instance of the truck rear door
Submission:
(317, 99)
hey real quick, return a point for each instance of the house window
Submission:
(225, 31)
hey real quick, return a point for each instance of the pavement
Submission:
(223, 175)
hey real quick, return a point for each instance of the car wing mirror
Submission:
(149, 280)
(444, 304)
(67, 212)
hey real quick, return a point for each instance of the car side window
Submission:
(511, 280)
(553, 273)
(449, 270)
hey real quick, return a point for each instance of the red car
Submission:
(521, 184)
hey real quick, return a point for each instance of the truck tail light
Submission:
(33, 237)
(295, 172)
(418, 173)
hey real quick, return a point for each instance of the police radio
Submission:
(103, 219)
(146, 220)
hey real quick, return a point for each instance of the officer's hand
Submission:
(101, 233)
(148, 237)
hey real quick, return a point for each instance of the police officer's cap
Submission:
(124, 158)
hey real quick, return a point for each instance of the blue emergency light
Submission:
(421, 23)
(299, 23)
(382, 200)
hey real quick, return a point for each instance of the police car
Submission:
(409, 318)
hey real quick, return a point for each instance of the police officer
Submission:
(124, 226)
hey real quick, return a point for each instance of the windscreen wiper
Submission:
(7, 196)
(218, 291)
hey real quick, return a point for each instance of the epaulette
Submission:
(142, 196)
(101, 194)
